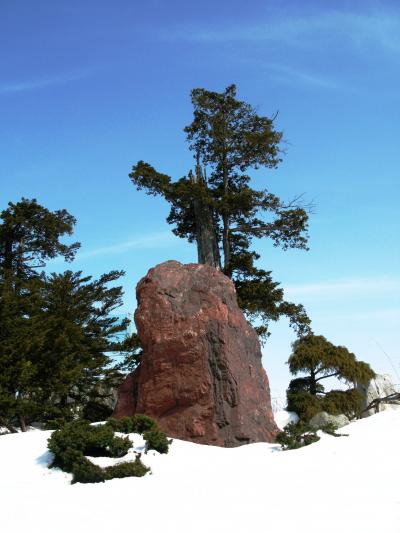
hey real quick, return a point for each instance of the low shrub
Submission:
(335, 402)
(96, 441)
(347, 402)
(84, 471)
(143, 423)
(127, 469)
(95, 411)
(156, 440)
(75, 440)
(132, 424)
(305, 404)
(119, 446)
(296, 435)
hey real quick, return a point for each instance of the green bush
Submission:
(347, 402)
(143, 423)
(335, 402)
(132, 424)
(84, 471)
(75, 440)
(156, 440)
(96, 441)
(119, 447)
(296, 435)
(127, 469)
(95, 411)
(305, 404)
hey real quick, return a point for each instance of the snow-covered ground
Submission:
(347, 485)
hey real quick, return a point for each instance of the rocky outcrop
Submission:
(201, 375)
(379, 387)
(322, 419)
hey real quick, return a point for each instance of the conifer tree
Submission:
(29, 236)
(55, 330)
(319, 359)
(216, 207)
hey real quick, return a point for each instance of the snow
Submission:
(348, 485)
(283, 418)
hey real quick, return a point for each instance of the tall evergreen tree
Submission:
(56, 331)
(216, 207)
(29, 236)
(56, 349)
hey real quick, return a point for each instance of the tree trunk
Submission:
(225, 220)
(227, 245)
(313, 383)
(22, 423)
(207, 244)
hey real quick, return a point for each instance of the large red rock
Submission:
(201, 376)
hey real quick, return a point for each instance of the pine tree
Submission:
(218, 209)
(56, 331)
(319, 359)
(29, 236)
(78, 327)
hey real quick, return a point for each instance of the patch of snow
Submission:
(283, 418)
(329, 486)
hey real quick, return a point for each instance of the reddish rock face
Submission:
(201, 376)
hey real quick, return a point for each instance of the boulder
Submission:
(321, 419)
(378, 387)
(201, 376)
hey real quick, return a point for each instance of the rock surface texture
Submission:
(321, 419)
(201, 375)
(379, 387)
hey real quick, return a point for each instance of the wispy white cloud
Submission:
(340, 288)
(153, 240)
(371, 27)
(381, 315)
(40, 83)
(290, 75)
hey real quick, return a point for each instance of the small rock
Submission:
(379, 387)
(321, 419)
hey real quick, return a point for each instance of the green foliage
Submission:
(143, 424)
(156, 440)
(95, 411)
(132, 424)
(80, 436)
(305, 404)
(296, 435)
(76, 440)
(84, 471)
(55, 330)
(127, 469)
(130, 349)
(320, 359)
(30, 235)
(347, 402)
(55, 352)
(228, 138)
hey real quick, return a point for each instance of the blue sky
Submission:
(88, 88)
